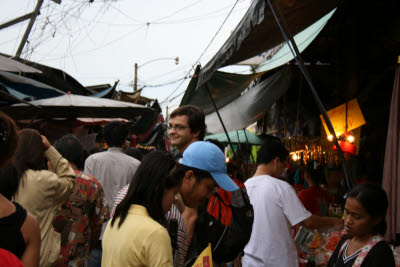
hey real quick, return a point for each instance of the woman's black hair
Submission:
(30, 152)
(10, 178)
(374, 200)
(157, 172)
(8, 138)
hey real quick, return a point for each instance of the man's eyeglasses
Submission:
(177, 127)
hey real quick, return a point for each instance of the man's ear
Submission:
(188, 178)
(196, 134)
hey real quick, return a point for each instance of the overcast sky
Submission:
(100, 42)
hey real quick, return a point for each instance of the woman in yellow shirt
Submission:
(137, 234)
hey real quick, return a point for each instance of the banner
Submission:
(338, 118)
(205, 258)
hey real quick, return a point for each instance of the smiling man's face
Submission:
(179, 132)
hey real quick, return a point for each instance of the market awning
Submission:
(225, 87)
(258, 31)
(54, 77)
(23, 87)
(76, 106)
(250, 106)
(8, 64)
(281, 54)
(106, 93)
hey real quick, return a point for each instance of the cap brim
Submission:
(224, 181)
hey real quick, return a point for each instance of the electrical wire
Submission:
(198, 60)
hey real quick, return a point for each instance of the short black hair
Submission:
(196, 119)
(198, 173)
(70, 148)
(134, 152)
(315, 172)
(157, 172)
(115, 133)
(270, 150)
(374, 200)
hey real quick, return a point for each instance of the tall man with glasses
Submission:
(276, 210)
(186, 126)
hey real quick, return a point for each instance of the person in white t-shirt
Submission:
(276, 210)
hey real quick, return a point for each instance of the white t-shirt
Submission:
(276, 210)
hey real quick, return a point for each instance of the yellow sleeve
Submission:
(158, 249)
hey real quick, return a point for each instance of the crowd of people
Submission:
(121, 208)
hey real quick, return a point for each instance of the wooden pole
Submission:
(29, 28)
(16, 20)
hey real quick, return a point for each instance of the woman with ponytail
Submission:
(364, 221)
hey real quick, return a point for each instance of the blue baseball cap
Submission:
(208, 157)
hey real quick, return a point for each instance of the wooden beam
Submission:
(16, 20)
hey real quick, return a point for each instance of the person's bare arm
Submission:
(31, 233)
(190, 216)
(322, 223)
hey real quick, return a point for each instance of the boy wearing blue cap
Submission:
(206, 169)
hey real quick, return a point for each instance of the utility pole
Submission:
(135, 78)
(28, 29)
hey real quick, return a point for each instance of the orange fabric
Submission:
(214, 204)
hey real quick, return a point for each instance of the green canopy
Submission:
(253, 139)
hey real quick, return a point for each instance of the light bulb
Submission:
(227, 159)
(294, 157)
(350, 138)
(330, 137)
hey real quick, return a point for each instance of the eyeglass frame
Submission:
(177, 127)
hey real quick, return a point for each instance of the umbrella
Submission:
(8, 64)
(75, 106)
(253, 139)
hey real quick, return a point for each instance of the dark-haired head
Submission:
(30, 152)
(270, 150)
(134, 152)
(196, 119)
(8, 138)
(314, 172)
(70, 148)
(157, 173)
(10, 178)
(374, 200)
(218, 144)
(115, 133)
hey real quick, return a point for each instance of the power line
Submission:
(198, 60)
(176, 12)
(167, 83)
